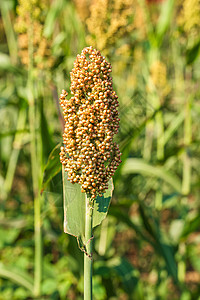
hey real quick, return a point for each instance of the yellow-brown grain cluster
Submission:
(109, 21)
(82, 7)
(30, 26)
(158, 75)
(189, 17)
(91, 118)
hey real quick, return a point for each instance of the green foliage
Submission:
(53, 166)
(134, 165)
(192, 53)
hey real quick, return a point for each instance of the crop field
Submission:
(144, 78)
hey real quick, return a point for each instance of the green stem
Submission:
(35, 167)
(15, 152)
(179, 69)
(38, 247)
(148, 139)
(88, 254)
(187, 141)
(154, 102)
(10, 35)
(37, 213)
(160, 153)
(159, 197)
(181, 262)
(160, 135)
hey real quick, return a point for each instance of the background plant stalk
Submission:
(88, 254)
(187, 142)
(35, 167)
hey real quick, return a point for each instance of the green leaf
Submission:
(175, 230)
(168, 254)
(165, 250)
(193, 256)
(5, 61)
(118, 213)
(139, 166)
(54, 11)
(165, 18)
(13, 223)
(74, 207)
(127, 274)
(173, 126)
(191, 226)
(99, 290)
(21, 293)
(53, 166)
(12, 132)
(49, 286)
(122, 268)
(8, 236)
(47, 143)
(126, 144)
(6, 65)
(20, 277)
(193, 53)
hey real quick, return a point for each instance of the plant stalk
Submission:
(160, 154)
(187, 142)
(38, 247)
(10, 35)
(37, 213)
(35, 167)
(148, 140)
(15, 152)
(88, 254)
(160, 135)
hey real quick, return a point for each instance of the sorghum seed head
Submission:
(89, 154)
(30, 28)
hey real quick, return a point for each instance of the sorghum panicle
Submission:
(32, 14)
(158, 75)
(109, 21)
(190, 17)
(91, 119)
(82, 7)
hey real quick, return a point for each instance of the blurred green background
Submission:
(149, 245)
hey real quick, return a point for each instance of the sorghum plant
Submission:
(90, 156)
(35, 54)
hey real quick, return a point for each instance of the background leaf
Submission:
(17, 276)
(136, 165)
(53, 166)
(192, 53)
